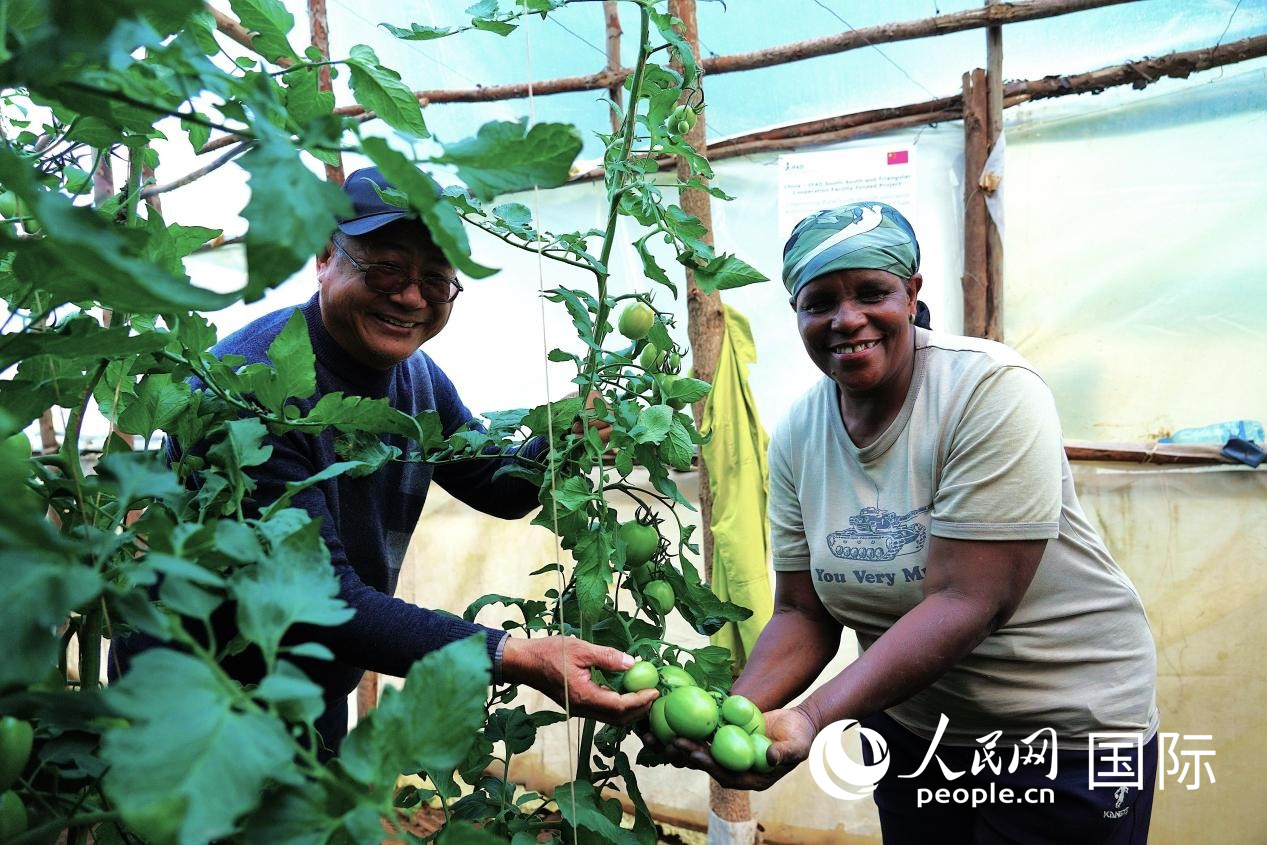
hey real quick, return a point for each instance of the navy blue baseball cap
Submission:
(369, 210)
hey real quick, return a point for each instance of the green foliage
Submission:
(159, 543)
(192, 732)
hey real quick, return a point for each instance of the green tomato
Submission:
(635, 321)
(675, 676)
(732, 748)
(738, 710)
(16, 446)
(13, 819)
(643, 573)
(760, 748)
(659, 724)
(660, 594)
(681, 120)
(8, 204)
(642, 675)
(16, 738)
(641, 542)
(651, 357)
(756, 725)
(691, 712)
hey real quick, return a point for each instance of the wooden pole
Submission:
(706, 326)
(975, 147)
(616, 91)
(319, 33)
(989, 181)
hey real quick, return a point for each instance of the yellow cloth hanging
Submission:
(739, 480)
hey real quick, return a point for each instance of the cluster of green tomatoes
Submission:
(731, 725)
(16, 739)
(681, 120)
(661, 367)
(642, 544)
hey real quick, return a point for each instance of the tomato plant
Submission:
(137, 547)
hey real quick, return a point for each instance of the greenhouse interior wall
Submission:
(1133, 230)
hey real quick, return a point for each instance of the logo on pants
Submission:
(831, 767)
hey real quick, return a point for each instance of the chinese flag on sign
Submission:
(899, 157)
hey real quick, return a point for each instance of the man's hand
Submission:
(791, 733)
(601, 427)
(543, 663)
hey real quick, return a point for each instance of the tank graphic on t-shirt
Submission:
(877, 534)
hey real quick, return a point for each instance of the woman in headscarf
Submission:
(920, 496)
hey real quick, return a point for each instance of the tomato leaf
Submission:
(279, 240)
(579, 802)
(158, 400)
(517, 727)
(653, 424)
(650, 267)
(296, 697)
(418, 32)
(44, 570)
(427, 725)
(293, 584)
(139, 476)
(84, 258)
(725, 272)
(380, 90)
(188, 737)
(677, 448)
(505, 157)
(240, 447)
(592, 573)
(668, 27)
(293, 370)
(269, 23)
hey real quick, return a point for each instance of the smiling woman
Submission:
(919, 494)
(858, 328)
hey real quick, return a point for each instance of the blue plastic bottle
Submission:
(1219, 433)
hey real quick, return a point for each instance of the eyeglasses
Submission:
(391, 280)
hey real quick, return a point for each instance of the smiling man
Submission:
(385, 289)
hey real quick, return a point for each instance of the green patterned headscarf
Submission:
(857, 236)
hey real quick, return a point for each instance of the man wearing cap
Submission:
(385, 289)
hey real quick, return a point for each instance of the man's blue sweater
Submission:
(367, 522)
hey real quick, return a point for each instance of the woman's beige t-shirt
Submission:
(976, 454)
